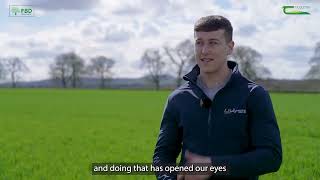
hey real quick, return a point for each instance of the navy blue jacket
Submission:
(238, 130)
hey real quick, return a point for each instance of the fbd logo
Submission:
(20, 11)
(296, 10)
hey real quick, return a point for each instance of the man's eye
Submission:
(198, 43)
(213, 43)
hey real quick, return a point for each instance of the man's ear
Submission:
(230, 47)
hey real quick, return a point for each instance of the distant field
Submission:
(57, 134)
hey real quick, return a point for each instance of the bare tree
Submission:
(152, 60)
(14, 67)
(250, 63)
(67, 68)
(101, 67)
(3, 72)
(181, 57)
(314, 71)
(76, 64)
(60, 70)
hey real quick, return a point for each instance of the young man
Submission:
(218, 117)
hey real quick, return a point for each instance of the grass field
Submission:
(57, 134)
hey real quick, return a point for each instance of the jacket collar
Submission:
(193, 74)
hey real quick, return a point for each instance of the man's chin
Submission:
(207, 70)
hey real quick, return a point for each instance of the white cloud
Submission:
(284, 69)
(57, 4)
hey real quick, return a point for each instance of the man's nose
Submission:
(205, 49)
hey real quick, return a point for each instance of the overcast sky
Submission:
(123, 29)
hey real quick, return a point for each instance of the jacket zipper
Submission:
(210, 109)
(209, 124)
(210, 113)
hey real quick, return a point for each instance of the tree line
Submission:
(68, 68)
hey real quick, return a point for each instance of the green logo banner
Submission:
(296, 10)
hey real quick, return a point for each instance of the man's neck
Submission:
(215, 79)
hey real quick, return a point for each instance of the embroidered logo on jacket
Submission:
(233, 110)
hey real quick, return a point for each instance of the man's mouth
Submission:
(206, 59)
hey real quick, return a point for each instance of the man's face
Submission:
(211, 50)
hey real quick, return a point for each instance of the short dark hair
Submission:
(214, 23)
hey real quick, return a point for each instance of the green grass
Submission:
(57, 134)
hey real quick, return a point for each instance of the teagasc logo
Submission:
(20, 11)
(296, 10)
